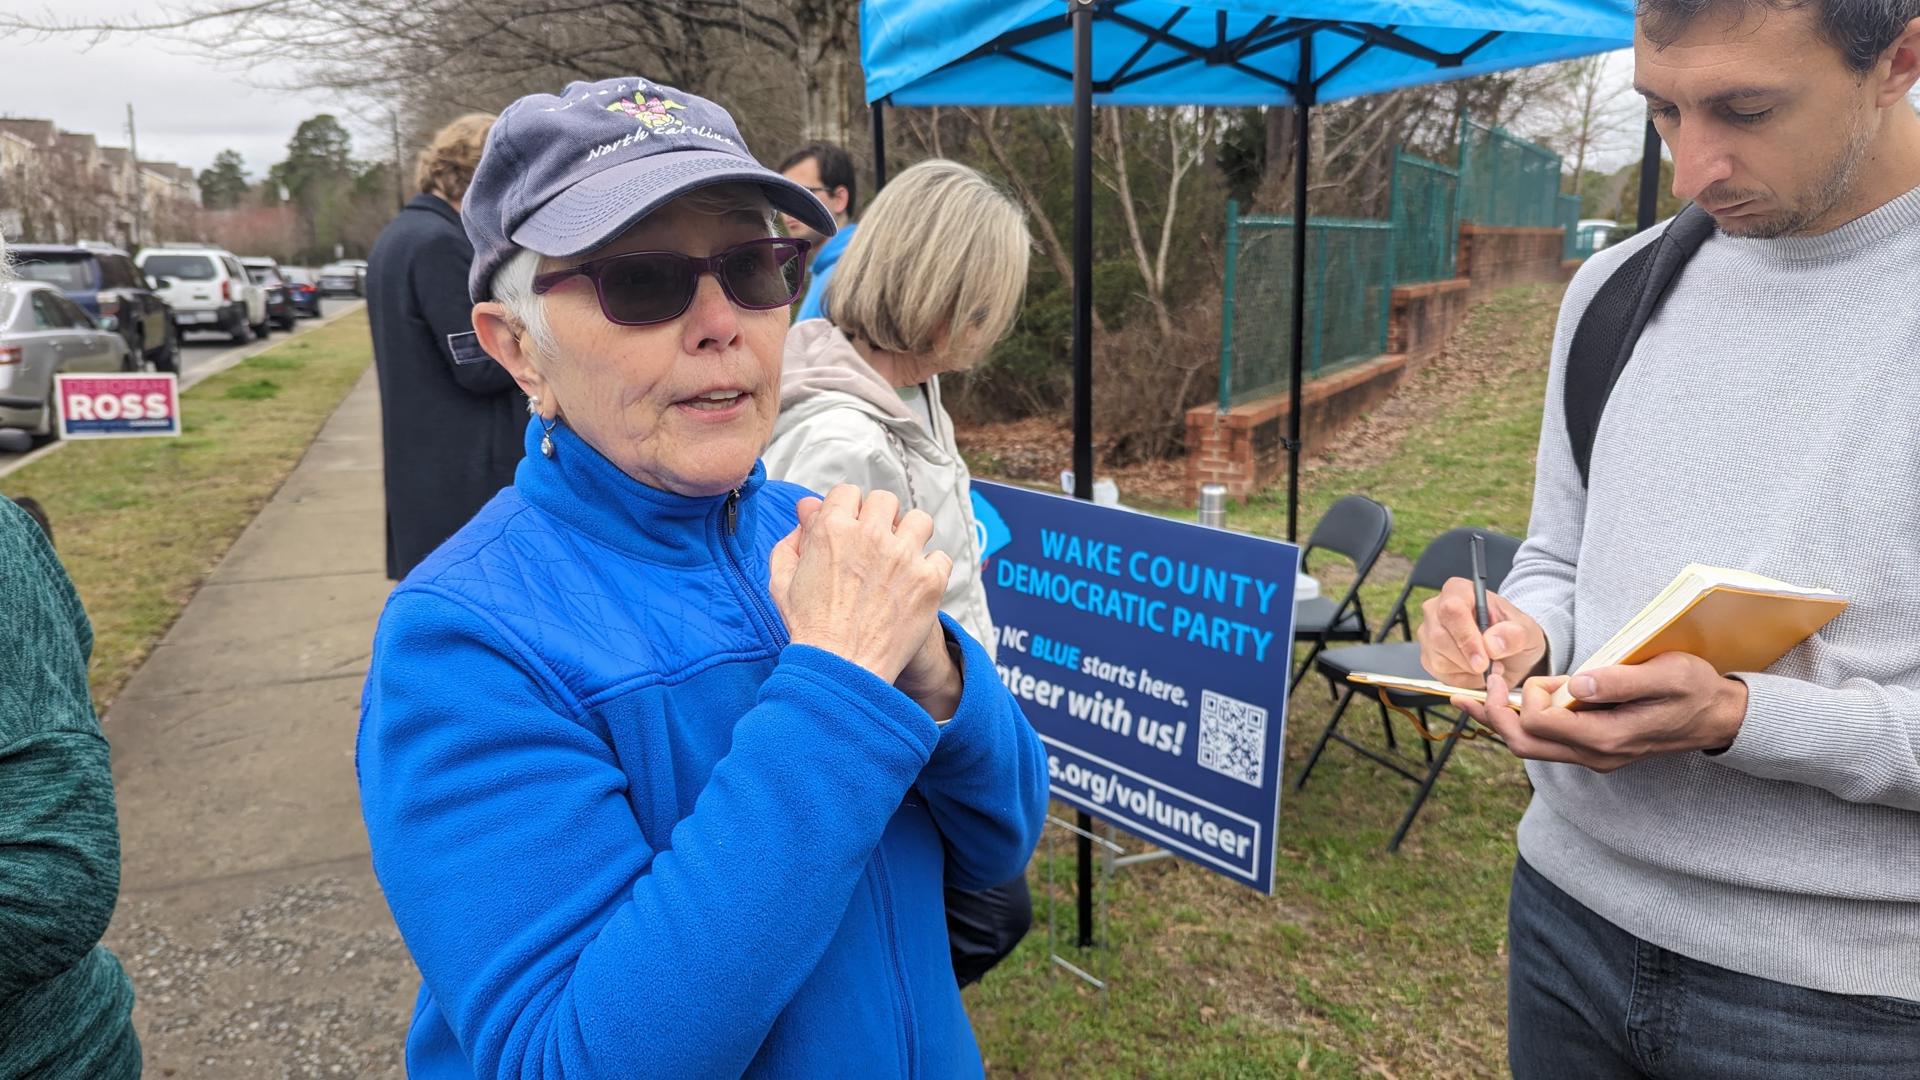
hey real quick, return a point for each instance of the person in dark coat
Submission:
(452, 431)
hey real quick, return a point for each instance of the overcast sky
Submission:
(188, 108)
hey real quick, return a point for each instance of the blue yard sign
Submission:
(1152, 657)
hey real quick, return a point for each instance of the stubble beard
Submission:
(1832, 192)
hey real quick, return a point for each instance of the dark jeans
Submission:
(983, 927)
(1586, 999)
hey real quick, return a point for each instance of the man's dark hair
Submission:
(1861, 29)
(835, 165)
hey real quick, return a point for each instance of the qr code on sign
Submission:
(1233, 737)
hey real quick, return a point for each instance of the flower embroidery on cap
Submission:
(654, 113)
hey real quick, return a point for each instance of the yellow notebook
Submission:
(1735, 620)
(1425, 686)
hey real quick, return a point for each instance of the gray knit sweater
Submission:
(1769, 421)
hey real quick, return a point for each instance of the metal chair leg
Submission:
(1306, 665)
(1320, 747)
(1426, 786)
(1386, 725)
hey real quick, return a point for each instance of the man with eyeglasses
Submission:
(826, 170)
(664, 765)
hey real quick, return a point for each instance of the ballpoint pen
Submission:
(1480, 616)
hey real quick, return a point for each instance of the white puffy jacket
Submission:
(841, 423)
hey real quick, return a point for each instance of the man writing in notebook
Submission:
(1720, 876)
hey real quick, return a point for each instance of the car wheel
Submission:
(48, 430)
(168, 359)
(286, 324)
(242, 333)
(262, 329)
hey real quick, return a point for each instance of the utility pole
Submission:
(139, 185)
(399, 185)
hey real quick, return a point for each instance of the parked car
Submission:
(305, 289)
(209, 290)
(342, 279)
(43, 334)
(1595, 233)
(266, 274)
(106, 284)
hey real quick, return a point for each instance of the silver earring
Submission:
(546, 432)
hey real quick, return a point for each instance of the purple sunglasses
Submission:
(640, 288)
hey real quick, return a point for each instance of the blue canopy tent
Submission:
(1296, 53)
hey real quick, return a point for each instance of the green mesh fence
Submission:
(1352, 266)
(1506, 181)
(1349, 294)
(1570, 221)
(1426, 221)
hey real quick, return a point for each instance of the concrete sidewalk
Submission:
(249, 917)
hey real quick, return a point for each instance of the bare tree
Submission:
(435, 57)
(1190, 141)
(80, 200)
(1352, 142)
(1585, 111)
(829, 46)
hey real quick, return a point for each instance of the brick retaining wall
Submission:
(1243, 448)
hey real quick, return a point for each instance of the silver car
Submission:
(43, 334)
(342, 279)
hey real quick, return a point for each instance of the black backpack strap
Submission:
(1611, 325)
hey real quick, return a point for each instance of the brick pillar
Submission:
(1218, 453)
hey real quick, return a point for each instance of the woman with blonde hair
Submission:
(451, 430)
(928, 285)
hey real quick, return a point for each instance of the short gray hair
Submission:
(513, 288)
(513, 282)
(1861, 29)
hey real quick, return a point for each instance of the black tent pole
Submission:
(1650, 179)
(1302, 117)
(1082, 249)
(1083, 346)
(879, 110)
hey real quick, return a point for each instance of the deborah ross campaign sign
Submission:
(118, 406)
(1152, 657)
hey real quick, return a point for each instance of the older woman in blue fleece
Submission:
(664, 765)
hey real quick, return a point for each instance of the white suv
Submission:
(208, 290)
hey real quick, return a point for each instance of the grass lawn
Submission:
(140, 523)
(1361, 964)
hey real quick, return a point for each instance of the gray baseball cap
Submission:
(565, 174)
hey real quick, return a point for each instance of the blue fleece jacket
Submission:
(627, 829)
(824, 261)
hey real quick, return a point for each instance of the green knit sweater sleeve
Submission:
(59, 839)
(47, 638)
(59, 855)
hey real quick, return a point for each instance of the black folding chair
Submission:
(1357, 529)
(1448, 556)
